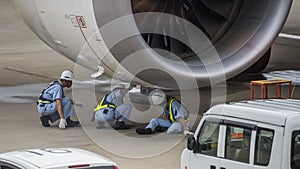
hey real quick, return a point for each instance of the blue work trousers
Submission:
(121, 113)
(173, 128)
(51, 109)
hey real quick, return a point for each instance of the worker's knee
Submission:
(66, 100)
(153, 120)
(124, 108)
(175, 128)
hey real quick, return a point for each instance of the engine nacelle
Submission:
(161, 44)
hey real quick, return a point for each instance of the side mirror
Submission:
(191, 143)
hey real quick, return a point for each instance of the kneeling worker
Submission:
(174, 119)
(111, 108)
(54, 105)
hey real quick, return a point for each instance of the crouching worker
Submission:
(54, 105)
(111, 108)
(174, 119)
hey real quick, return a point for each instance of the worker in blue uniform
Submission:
(111, 107)
(174, 119)
(54, 105)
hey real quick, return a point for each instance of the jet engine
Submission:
(173, 44)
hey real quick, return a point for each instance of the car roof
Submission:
(272, 111)
(44, 158)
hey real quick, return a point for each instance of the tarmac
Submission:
(27, 65)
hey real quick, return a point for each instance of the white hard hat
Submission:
(118, 86)
(66, 75)
(157, 97)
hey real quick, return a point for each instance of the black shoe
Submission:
(121, 125)
(45, 120)
(161, 129)
(144, 131)
(71, 123)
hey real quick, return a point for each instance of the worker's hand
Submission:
(62, 123)
(187, 133)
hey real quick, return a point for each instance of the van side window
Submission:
(295, 152)
(238, 143)
(263, 146)
(208, 138)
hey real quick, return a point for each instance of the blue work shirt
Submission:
(115, 97)
(54, 92)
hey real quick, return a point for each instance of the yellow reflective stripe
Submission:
(110, 105)
(100, 106)
(47, 101)
(44, 101)
(170, 110)
(103, 106)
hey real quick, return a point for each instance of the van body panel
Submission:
(259, 134)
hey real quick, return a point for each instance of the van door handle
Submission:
(222, 168)
(212, 167)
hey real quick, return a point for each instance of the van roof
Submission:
(42, 158)
(272, 111)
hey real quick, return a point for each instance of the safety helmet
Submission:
(66, 75)
(118, 86)
(157, 97)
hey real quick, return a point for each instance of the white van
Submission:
(259, 134)
(54, 158)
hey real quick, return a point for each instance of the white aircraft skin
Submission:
(70, 27)
(63, 34)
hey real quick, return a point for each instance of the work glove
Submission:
(187, 133)
(62, 123)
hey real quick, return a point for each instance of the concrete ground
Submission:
(27, 64)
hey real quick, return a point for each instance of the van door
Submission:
(239, 145)
(209, 141)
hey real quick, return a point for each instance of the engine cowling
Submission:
(163, 44)
(232, 36)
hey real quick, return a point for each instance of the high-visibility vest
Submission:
(171, 113)
(104, 104)
(44, 100)
(171, 116)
